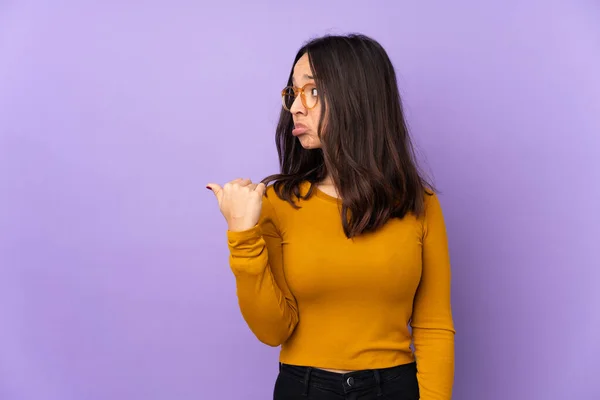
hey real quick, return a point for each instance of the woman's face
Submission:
(306, 121)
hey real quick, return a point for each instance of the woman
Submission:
(347, 248)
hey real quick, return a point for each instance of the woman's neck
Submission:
(328, 181)
(328, 187)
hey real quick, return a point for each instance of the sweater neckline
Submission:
(322, 195)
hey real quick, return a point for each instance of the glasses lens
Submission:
(310, 96)
(288, 98)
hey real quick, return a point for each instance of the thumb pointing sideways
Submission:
(217, 191)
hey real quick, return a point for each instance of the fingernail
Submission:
(208, 187)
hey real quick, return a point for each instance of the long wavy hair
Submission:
(366, 146)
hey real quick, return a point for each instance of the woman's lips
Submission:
(299, 129)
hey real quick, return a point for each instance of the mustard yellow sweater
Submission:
(339, 303)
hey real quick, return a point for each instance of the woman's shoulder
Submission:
(432, 207)
(430, 196)
(276, 194)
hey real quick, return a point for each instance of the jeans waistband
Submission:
(349, 381)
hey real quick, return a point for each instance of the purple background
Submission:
(114, 281)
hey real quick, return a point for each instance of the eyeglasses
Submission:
(308, 95)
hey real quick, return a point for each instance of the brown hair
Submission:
(367, 149)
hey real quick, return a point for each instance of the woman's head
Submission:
(301, 99)
(342, 117)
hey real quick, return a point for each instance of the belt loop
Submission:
(307, 380)
(378, 382)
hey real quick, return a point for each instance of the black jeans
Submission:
(302, 383)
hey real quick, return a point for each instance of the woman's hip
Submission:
(300, 382)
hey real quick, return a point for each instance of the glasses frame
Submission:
(297, 91)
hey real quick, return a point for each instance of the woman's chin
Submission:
(309, 143)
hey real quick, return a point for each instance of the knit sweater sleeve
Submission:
(256, 259)
(432, 323)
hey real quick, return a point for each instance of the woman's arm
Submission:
(432, 323)
(256, 260)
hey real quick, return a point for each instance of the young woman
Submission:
(343, 260)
